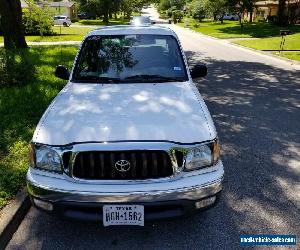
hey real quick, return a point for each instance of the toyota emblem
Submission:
(122, 165)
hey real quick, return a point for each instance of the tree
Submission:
(249, 6)
(215, 8)
(197, 8)
(168, 4)
(11, 23)
(293, 11)
(281, 16)
(238, 6)
(37, 20)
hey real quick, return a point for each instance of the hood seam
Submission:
(207, 123)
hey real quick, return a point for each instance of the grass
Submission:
(65, 34)
(268, 35)
(292, 43)
(290, 55)
(232, 29)
(118, 21)
(72, 33)
(20, 111)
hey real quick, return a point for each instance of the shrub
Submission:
(37, 20)
(169, 13)
(163, 15)
(272, 19)
(177, 15)
(259, 19)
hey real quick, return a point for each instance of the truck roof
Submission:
(131, 29)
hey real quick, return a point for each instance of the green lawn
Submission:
(72, 33)
(232, 29)
(20, 111)
(267, 35)
(62, 34)
(118, 21)
(292, 43)
(290, 55)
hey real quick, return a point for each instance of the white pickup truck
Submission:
(129, 138)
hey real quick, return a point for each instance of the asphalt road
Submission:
(255, 102)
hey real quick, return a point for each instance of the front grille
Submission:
(101, 165)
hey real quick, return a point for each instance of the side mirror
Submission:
(62, 72)
(199, 70)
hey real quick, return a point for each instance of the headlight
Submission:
(45, 158)
(204, 155)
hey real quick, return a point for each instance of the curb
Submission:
(12, 215)
(268, 53)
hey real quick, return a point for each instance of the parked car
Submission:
(62, 20)
(129, 138)
(141, 20)
(85, 15)
(231, 17)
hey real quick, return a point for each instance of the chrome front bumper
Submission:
(194, 185)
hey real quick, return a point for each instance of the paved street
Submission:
(255, 103)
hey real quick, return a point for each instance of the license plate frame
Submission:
(114, 215)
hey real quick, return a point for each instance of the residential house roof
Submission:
(270, 2)
(24, 4)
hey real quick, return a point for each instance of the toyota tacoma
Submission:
(129, 138)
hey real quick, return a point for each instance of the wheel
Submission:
(65, 24)
(232, 19)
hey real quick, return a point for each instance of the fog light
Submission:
(43, 204)
(206, 202)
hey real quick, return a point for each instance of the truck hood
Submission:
(125, 112)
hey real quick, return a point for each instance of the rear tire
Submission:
(65, 24)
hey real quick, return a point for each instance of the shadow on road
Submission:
(256, 109)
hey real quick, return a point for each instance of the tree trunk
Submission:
(251, 17)
(215, 16)
(11, 23)
(105, 17)
(281, 7)
(105, 8)
(240, 20)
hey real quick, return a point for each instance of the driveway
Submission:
(255, 102)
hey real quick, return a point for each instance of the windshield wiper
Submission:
(97, 79)
(153, 78)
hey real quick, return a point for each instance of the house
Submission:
(24, 5)
(65, 7)
(266, 9)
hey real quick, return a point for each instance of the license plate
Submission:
(123, 215)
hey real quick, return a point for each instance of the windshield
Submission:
(130, 58)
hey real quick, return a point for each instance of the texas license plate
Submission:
(123, 215)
